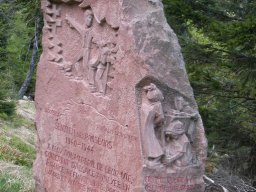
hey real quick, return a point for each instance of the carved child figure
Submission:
(178, 153)
(154, 119)
(99, 68)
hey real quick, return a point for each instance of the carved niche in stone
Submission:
(168, 129)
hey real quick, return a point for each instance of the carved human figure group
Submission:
(168, 137)
(96, 56)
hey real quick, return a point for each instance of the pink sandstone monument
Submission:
(115, 109)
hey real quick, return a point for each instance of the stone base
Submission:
(162, 180)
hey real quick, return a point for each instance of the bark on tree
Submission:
(32, 64)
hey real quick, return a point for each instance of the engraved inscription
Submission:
(78, 144)
(68, 166)
(73, 158)
(83, 135)
(111, 131)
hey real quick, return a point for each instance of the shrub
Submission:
(7, 107)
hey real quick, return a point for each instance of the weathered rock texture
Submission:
(115, 110)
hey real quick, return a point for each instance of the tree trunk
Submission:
(32, 64)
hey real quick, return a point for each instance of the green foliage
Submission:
(228, 24)
(5, 77)
(218, 40)
(7, 107)
(17, 30)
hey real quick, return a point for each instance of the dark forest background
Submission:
(218, 40)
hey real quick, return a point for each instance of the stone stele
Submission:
(115, 109)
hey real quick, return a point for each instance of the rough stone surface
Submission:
(115, 109)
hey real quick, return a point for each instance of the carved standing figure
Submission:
(99, 68)
(154, 119)
(86, 35)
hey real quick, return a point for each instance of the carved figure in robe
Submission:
(99, 68)
(189, 115)
(178, 152)
(86, 36)
(154, 119)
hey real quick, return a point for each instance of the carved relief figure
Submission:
(99, 68)
(178, 153)
(86, 36)
(168, 137)
(96, 56)
(189, 116)
(154, 119)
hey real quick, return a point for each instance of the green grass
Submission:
(17, 153)
(15, 121)
(8, 184)
(16, 178)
